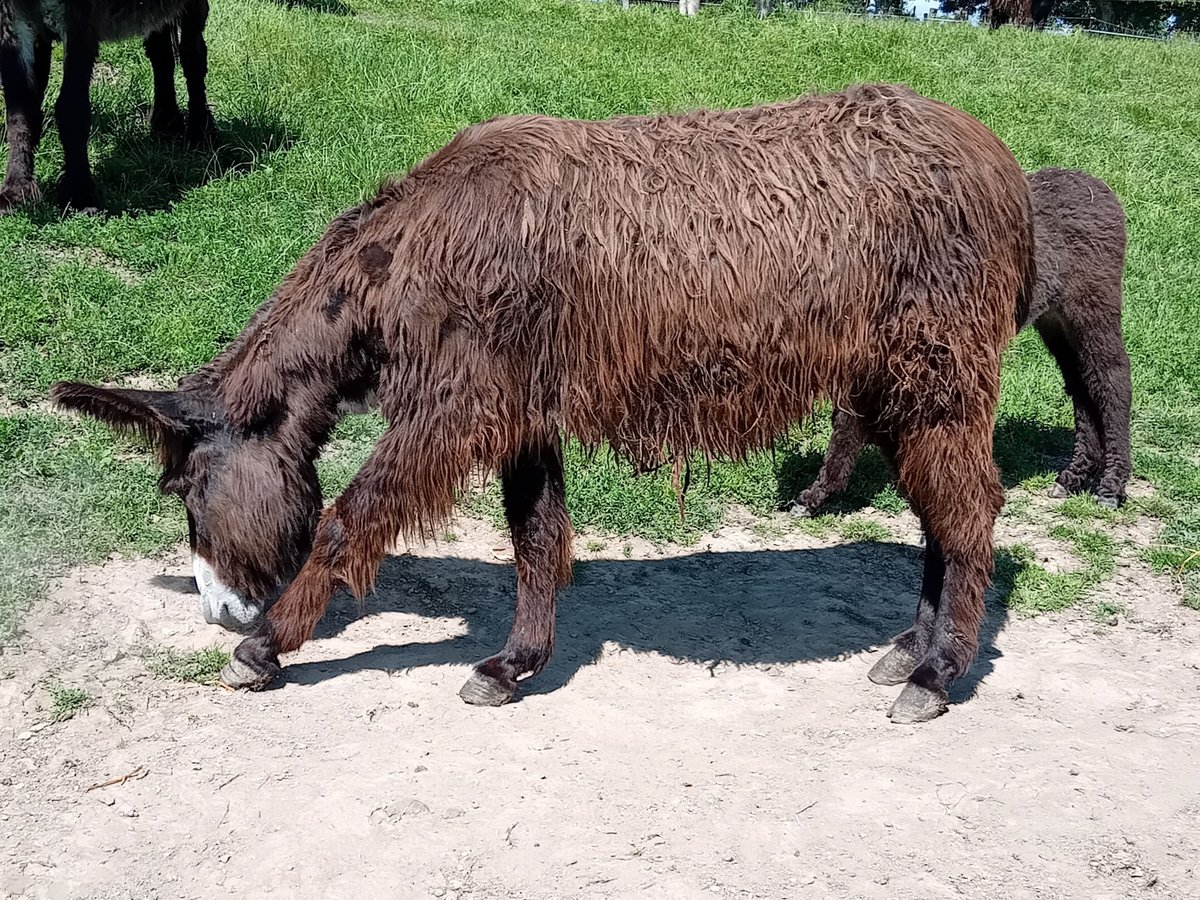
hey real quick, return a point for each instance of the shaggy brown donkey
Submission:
(670, 285)
(1079, 229)
(27, 30)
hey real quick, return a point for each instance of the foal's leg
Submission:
(535, 506)
(193, 59)
(1105, 371)
(845, 446)
(73, 110)
(165, 117)
(1088, 454)
(949, 474)
(24, 70)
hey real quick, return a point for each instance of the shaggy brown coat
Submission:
(670, 285)
(1079, 229)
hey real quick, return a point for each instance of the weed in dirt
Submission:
(1108, 613)
(1036, 590)
(819, 527)
(198, 666)
(66, 701)
(860, 529)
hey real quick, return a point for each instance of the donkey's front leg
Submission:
(353, 535)
(535, 505)
(291, 620)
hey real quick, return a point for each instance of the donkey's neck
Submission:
(295, 370)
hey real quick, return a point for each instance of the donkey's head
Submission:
(252, 502)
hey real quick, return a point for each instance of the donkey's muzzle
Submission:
(222, 605)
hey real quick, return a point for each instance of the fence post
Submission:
(689, 7)
(763, 7)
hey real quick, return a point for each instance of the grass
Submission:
(316, 109)
(1031, 589)
(198, 666)
(66, 702)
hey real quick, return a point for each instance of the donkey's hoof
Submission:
(917, 704)
(482, 689)
(238, 674)
(1107, 501)
(1058, 492)
(895, 667)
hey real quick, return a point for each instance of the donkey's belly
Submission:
(112, 20)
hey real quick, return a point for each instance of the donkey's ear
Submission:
(155, 414)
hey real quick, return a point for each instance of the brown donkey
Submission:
(671, 285)
(1079, 232)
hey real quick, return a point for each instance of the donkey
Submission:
(27, 30)
(669, 285)
(1079, 230)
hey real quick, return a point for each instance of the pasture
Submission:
(706, 727)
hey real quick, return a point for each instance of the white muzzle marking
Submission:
(222, 605)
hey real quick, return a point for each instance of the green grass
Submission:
(199, 666)
(1106, 612)
(1030, 589)
(66, 702)
(316, 109)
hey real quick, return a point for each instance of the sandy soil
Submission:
(706, 729)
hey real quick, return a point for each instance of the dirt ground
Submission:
(705, 729)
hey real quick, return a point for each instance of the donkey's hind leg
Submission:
(845, 446)
(948, 473)
(1089, 446)
(535, 505)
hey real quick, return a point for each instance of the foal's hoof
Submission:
(1107, 501)
(483, 689)
(238, 674)
(1058, 492)
(917, 704)
(895, 667)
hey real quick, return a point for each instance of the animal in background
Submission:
(1079, 234)
(28, 28)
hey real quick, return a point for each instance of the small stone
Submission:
(1073, 771)
(728, 857)
(40, 726)
(413, 704)
(24, 735)
(883, 879)
(421, 769)
(127, 811)
(109, 801)
(1111, 620)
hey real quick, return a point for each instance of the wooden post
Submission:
(763, 7)
(689, 7)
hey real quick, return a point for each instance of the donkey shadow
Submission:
(140, 172)
(741, 608)
(1022, 448)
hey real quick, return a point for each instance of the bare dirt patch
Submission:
(705, 729)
